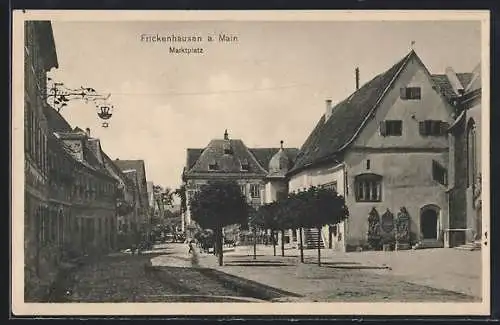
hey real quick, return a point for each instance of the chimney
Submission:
(87, 131)
(357, 77)
(226, 135)
(329, 109)
(456, 85)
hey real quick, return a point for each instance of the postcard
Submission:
(250, 163)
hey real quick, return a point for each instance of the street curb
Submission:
(255, 289)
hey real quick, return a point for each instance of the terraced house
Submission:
(260, 172)
(386, 149)
(71, 185)
(39, 58)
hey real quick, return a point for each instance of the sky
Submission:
(269, 85)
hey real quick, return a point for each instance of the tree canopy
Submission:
(219, 204)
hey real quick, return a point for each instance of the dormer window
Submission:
(212, 166)
(227, 149)
(245, 166)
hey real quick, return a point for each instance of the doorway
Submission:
(429, 222)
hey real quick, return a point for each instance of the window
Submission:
(227, 149)
(245, 166)
(391, 128)
(439, 173)
(255, 191)
(471, 153)
(243, 189)
(330, 186)
(432, 128)
(368, 164)
(410, 93)
(368, 188)
(212, 166)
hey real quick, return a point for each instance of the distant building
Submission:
(258, 171)
(384, 148)
(136, 171)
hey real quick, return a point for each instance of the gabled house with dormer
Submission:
(385, 149)
(260, 172)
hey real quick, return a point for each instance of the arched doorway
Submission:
(429, 219)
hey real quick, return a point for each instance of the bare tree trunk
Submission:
(282, 242)
(273, 238)
(301, 246)
(319, 246)
(254, 243)
(220, 247)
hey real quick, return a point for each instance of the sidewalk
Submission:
(440, 268)
(341, 278)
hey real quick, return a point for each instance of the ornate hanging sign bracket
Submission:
(58, 96)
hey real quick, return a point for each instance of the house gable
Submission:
(411, 113)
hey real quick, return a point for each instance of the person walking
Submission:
(190, 247)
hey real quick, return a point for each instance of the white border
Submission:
(20, 308)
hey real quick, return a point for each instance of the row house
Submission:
(127, 206)
(39, 58)
(260, 172)
(385, 148)
(70, 194)
(135, 172)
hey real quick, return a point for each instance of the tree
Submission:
(297, 211)
(324, 206)
(217, 205)
(268, 220)
(181, 193)
(256, 222)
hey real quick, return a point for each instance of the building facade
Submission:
(385, 148)
(465, 164)
(39, 57)
(135, 172)
(259, 175)
(70, 183)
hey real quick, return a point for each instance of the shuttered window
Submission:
(212, 166)
(433, 128)
(410, 93)
(391, 128)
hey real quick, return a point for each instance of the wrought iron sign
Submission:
(58, 96)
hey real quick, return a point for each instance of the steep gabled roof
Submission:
(329, 138)
(139, 167)
(444, 85)
(55, 121)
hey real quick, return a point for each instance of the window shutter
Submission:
(421, 127)
(417, 94)
(444, 127)
(383, 128)
(402, 93)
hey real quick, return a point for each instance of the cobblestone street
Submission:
(169, 274)
(131, 278)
